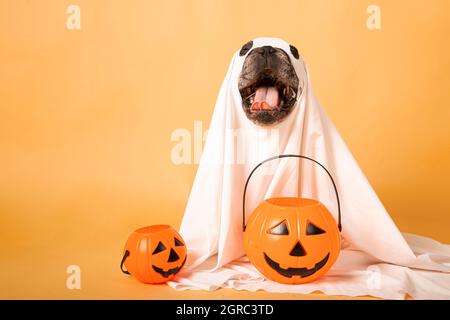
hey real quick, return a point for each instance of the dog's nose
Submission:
(266, 51)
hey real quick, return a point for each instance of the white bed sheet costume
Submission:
(376, 258)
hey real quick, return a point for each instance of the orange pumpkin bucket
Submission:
(154, 254)
(292, 240)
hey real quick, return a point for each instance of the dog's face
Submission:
(268, 84)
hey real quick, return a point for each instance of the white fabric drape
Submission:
(377, 259)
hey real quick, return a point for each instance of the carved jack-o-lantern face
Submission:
(292, 240)
(154, 254)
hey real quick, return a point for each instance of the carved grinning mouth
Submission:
(302, 272)
(169, 272)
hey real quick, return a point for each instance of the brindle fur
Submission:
(269, 66)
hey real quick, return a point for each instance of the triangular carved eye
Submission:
(178, 243)
(281, 229)
(160, 247)
(312, 229)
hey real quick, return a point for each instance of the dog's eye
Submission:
(245, 48)
(312, 229)
(280, 229)
(294, 52)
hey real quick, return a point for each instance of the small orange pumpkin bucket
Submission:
(292, 240)
(154, 254)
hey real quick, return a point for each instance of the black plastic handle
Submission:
(291, 156)
(125, 255)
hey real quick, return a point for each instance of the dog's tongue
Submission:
(266, 98)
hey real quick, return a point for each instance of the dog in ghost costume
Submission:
(268, 84)
(266, 104)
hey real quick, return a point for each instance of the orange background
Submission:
(87, 116)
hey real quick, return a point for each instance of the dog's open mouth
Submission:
(302, 272)
(268, 94)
